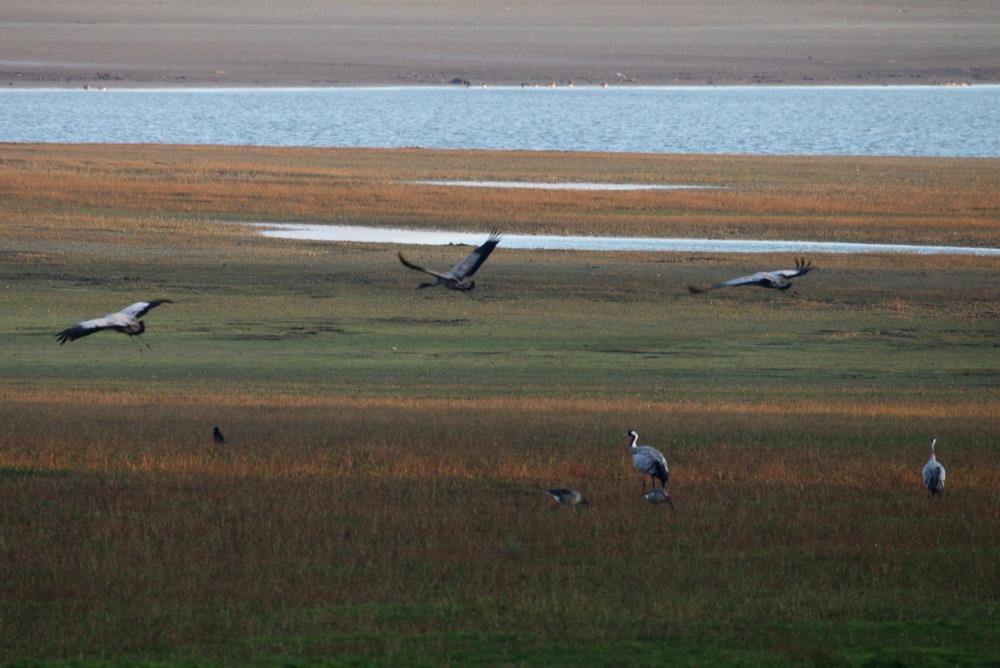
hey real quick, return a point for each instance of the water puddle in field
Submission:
(361, 234)
(543, 185)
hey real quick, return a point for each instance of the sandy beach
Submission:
(72, 43)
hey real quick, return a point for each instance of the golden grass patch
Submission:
(857, 199)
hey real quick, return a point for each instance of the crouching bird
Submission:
(658, 496)
(568, 497)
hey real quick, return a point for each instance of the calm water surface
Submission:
(872, 120)
(361, 234)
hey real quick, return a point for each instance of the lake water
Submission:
(863, 120)
(360, 234)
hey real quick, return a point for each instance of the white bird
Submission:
(933, 473)
(568, 497)
(658, 497)
(454, 278)
(779, 279)
(648, 461)
(125, 321)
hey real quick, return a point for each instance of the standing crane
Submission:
(648, 461)
(933, 473)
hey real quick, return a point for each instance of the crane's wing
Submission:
(410, 265)
(802, 267)
(471, 262)
(658, 456)
(85, 328)
(139, 309)
(933, 475)
(760, 278)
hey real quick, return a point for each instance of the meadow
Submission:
(380, 500)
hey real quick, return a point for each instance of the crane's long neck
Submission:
(635, 441)
(933, 443)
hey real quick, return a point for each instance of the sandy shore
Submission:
(73, 43)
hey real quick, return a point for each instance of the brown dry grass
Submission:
(154, 537)
(495, 439)
(871, 199)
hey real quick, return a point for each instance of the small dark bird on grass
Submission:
(217, 435)
(568, 497)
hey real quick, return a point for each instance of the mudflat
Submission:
(588, 42)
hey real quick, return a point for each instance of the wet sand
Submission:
(70, 43)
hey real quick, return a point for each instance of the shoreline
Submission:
(174, 43)
(204, 88)
(16, 81)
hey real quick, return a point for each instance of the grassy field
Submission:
(381, 498)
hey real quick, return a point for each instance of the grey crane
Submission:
(779, 279)
(933, 473)
(658, 497)
(454, 278)
(125, 321)
(565, 496)
(648, 461)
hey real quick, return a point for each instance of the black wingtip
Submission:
(406, 263)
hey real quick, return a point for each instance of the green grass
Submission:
(381, 499)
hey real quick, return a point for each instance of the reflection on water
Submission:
(540, 185)
(361, 234)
